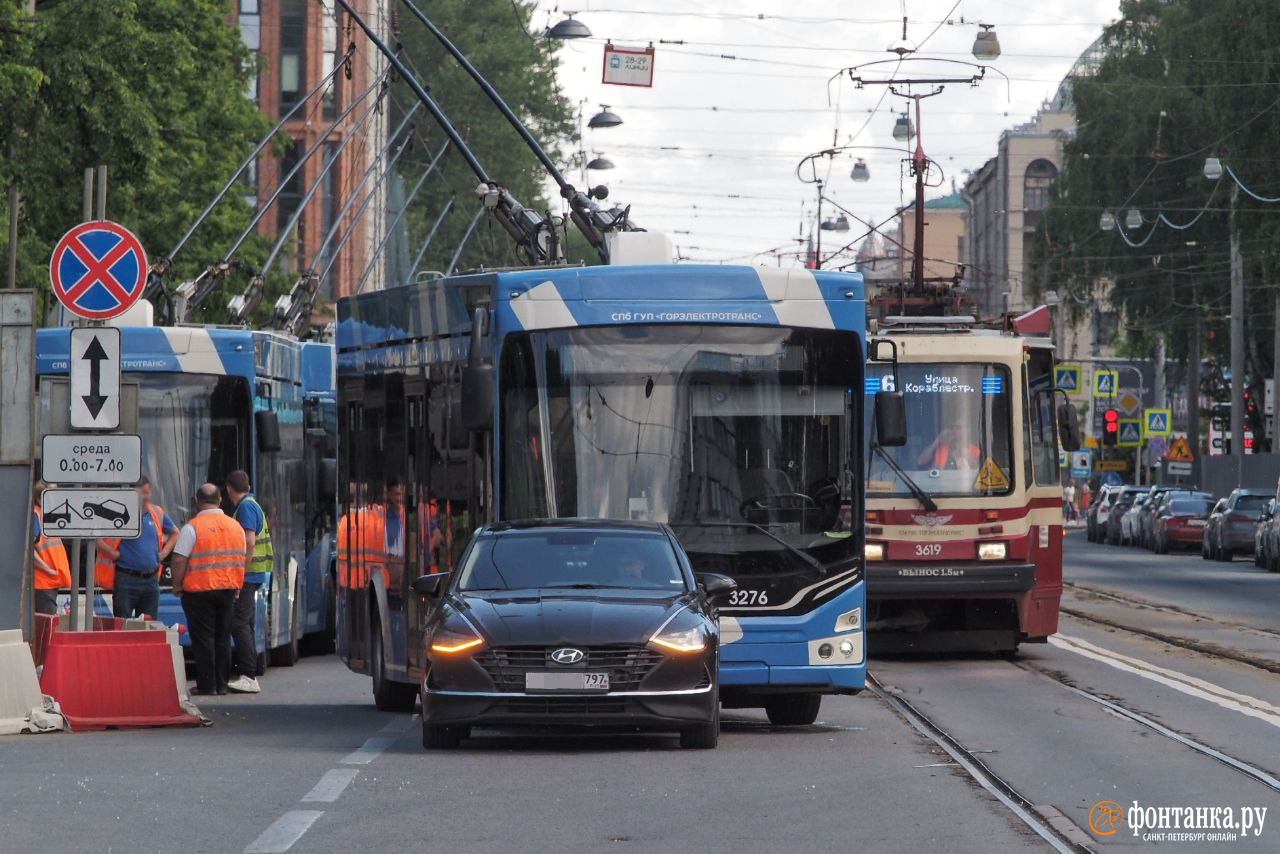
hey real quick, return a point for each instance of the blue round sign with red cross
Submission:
(98, 270)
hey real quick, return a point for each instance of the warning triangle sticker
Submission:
(1179, 451)
(990, 477)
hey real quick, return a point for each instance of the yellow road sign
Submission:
(1113, 465)
(1180, 451)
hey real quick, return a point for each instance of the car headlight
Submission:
(451, 642)
(992, 551)
(680, 640)
(873, 551)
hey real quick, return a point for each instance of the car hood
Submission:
(570, 617)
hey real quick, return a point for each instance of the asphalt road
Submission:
(1130, 702)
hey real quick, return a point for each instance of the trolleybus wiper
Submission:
(918, 493)
(800, 553)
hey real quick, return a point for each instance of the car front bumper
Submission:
(647, 709)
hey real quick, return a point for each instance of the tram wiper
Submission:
(919, 494)
(800, 553)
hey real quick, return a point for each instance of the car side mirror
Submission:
(430, 585)
(891, 419)
(716, 585)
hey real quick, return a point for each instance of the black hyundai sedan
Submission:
(572, 622)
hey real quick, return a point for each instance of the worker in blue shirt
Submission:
(259, 561)
(137, 562)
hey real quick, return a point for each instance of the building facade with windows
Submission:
(297, 44)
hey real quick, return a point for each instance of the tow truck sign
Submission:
(102, 459)
(92, 512)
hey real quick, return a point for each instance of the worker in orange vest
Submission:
(52, 569)
(208, 572)
(131, 568)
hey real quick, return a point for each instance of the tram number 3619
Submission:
(749, 597)
(928, 549)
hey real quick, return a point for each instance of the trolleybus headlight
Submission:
(449, 642)
(873, 551)
(680, 640)
(846, 648)
(825, 651)
(992, 551)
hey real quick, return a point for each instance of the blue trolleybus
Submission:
(718, 399)
(212, 400)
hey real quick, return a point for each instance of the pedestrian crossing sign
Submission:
(1067, 378)
(991, 478)
(1105, 383)
(1130, 433)
(1157, 422)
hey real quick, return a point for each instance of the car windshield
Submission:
(520, 560)
(1250, 502)
(1190, 506)
(960, 441)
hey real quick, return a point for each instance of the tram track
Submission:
(1061, 835)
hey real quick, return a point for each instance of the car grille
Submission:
(552, 706)
(627, 666)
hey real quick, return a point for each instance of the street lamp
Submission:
(1107, 222)
(1212, 168)
(903, 130)
(569, 28)
(600, 162)
(986, 47)
(606, 118)
(860, 172)
(1133, 219)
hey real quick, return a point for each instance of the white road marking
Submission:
(399, 724)
(368, 751)
(287, 830)
(1190, 685)
(331, 785)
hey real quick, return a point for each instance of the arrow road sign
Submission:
(95, 378)
(91, 459)
(98, 270)
(93, 512)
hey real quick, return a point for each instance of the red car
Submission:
(1181, 523)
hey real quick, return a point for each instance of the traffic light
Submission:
(1110, 428)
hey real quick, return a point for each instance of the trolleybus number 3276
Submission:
(749, 597)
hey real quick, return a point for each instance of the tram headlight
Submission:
(993, 551)
(873, 551)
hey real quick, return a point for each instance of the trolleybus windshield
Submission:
(739, 437)
(960, 442)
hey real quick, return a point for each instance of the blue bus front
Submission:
(197, 391)
(716, 399)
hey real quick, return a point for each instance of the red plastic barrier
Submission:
(114, 679)
(43, 628)
(107, 624)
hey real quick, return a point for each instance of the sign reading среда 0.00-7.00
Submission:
(85, 458)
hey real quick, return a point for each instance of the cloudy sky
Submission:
(709, 154)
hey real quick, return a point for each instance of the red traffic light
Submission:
(1111, 416)
(1111, 427)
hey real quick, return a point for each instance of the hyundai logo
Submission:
(568, 655)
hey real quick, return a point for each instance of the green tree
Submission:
(154, 89)
(1180, 80)
(494, 34)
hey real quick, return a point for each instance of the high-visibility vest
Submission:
(52, 552)
(217, 561)
(104, 568)
(263, 559)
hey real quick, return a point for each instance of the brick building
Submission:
(297, 43)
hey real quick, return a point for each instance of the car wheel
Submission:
(87, 510)
(793, 709)
(435, 737)
(703, 736)
(388, 695)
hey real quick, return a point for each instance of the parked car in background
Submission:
(1260, 556)
(1181, 522)
(1230, 528)
(1121, 503)
(1096, 518)
(1130, 523)
(1160, 498)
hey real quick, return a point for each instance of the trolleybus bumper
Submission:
(900, 580)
